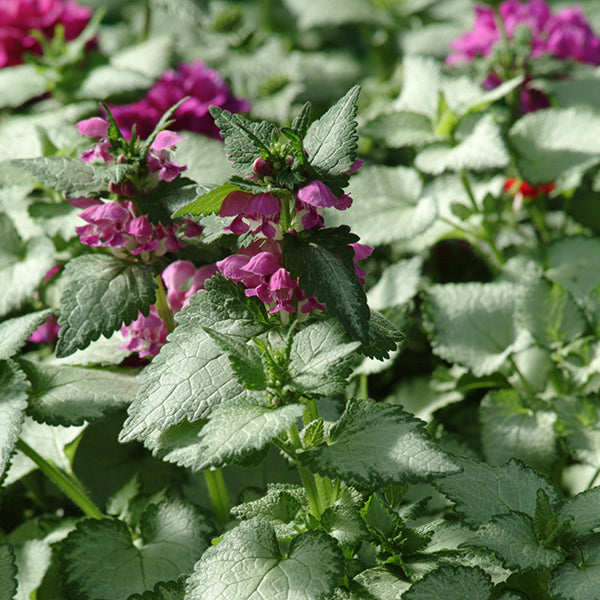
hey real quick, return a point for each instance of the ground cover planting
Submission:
(299, 300)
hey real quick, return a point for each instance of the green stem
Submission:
(363, 387)
(162, 306)
(487, 234)
(524, 381)
(66, 483)
(593, 479)
(147, 22)
(308, 479)
(218, 495)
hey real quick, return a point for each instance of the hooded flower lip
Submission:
(19, 17)
(159, 157)
(205, 88)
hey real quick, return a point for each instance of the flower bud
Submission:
(262, 168)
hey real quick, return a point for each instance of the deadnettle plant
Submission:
(517, 34)
(19, 19)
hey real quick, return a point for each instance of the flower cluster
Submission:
(115, 225)
(522, 191)
(205, 88)
(259, 266)
(147, 335)
(18, 18)
(565, 35)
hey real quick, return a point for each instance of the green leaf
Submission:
(246, 360)
(579, 427)
(15, 332)
(474, 324)
(8, 573)
(480, 149)
(13, 402)
(172, 590)
(301, 121)
(323, 262)
(549, 312)
(320, 359)
(208, 203)
(109, 83)
(397, 285)
(100, 559)
(32, 560)
(554, 142)
(244, 139)
(191, 375)
(381, 520)
(583, 511)
(452, 583)
(312, 13)
(482, 491)
(378, 444)
(72, 176)
(401, 129)
(378, 583)
(235, 430)
(574, 263)
(422, 77)
(22, 265)
(383, 337)
(579, 577)
(512, 429)
(102, 294)
(343, 521)
(512, 537)
(249, 565)
(314, 433)
(332, 142)
(150, 58)
(50, 442)
(205, 160)
(282, 506)
(62, 395)
(389, 205)
(19, 84)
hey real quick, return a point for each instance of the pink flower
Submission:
(204, 86)
(147, 335)
(19, 17)
(159, 157)
(259, 268)
(565, 35)
(96, 127)
(115, 225)
(257, 213)
(46, 333)
(317, 194)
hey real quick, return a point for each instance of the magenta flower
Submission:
(46, 333)
(147, 335)
(317, 194)
(204, 86)
(19, 17)
(96, 127)
(258, 213)
(115, 225)
(159, 157)
(565, 35)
